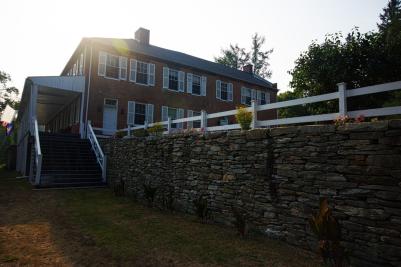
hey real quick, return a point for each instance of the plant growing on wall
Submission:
(244, 118)
(201, 208)
(168, 199)
(150, 193)
(156, 130)
(241, 221)
(328, 231)
(119, 188)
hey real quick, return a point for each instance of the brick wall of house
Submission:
(124, 91)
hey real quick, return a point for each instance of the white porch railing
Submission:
(38, 155)
(100, 157)
(341, 95)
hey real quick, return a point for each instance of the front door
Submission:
(109, 116)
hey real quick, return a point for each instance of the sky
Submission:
(38, 37)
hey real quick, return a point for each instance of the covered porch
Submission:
(51, 104)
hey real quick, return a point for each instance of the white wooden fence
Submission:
(341, 95)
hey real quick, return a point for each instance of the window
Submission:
(196, 85)
(112, 67)
(142, 73)
(224, 91)
(173, 114)
(173, 80)
(223, 121)
(194, 124)
(139, 113)
(246, 96)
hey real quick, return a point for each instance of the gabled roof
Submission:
(184, 59)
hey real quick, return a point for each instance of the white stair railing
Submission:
(100, 157)
(38, 153)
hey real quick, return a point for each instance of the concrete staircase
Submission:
(68, 161)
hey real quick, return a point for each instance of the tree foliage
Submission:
(234, 57)
(359, 59)
(237, 57)
(8, 95)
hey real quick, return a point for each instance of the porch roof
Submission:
(54, 92)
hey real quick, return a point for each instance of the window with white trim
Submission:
(142, 72)
(173, 79)
(139, 113)
(112, 66)
(193, 124)
(224, 91)
(196, 85)
(173, 114)
(247, 95)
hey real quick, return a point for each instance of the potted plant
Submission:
(244, 118)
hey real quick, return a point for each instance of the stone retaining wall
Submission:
(278, 176)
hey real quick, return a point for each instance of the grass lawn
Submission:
(91, 227)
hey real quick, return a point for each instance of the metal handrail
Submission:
(38, 153)
(100, 157)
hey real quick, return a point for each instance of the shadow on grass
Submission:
(93, 227)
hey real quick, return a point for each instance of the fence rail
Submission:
(341, 95)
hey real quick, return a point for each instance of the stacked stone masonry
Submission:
(278, 176)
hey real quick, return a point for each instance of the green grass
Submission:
(130, 232)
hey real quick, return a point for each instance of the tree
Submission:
(236, 57)
(260, 58)
(7, 94)
(359, 59)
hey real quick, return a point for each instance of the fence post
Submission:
(169, 125)
(254, 114)
(129, 131)
(204, 120)
(342, 98)
(146, 125)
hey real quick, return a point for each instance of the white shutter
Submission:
(165, 77)
(132, 73)
(164, 113)
(123, 62)
(189, 83)
(101, 71)
(180, 115)
(218, 89)
(243, 95)
(151, 74)
(203, 85)
(190, 113)
(230, 92)
(131, 113)
(181, 81)
(259, 97)
(149, 113)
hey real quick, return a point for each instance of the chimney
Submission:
(248, 68)
(142, 35)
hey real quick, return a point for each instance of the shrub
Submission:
(120, 134)
(241, 221)
(328, 231)
(168, 199)
(244, 118)
(201, 208)
(119, 188)
(140, 133)
(150, 193)
(156, 130)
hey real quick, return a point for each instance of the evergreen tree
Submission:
(260, 58)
